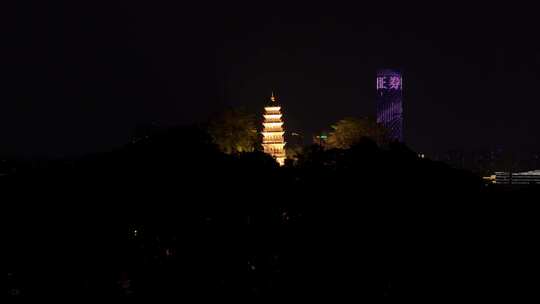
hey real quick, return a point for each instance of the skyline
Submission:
(78, 79)
(373, 151)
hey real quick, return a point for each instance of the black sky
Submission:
(78, 77)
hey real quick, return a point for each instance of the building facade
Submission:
(390, 102)
(520, 178)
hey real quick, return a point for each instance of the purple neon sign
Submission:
(389, 83)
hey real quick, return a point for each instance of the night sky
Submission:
(77, 78)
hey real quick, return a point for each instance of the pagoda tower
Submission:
(273, 142)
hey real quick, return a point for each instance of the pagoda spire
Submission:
(273, 142)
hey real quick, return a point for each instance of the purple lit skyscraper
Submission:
(389, 102)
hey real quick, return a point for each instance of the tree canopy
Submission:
(173, 212)
(234, 131)
(349, 131)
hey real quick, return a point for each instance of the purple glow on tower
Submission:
(389, 102)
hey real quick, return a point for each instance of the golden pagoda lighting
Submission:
(273, 142)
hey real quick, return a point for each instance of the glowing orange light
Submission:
(273, 142)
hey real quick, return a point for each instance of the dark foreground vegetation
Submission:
(171, 216)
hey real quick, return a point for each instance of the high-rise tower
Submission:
(389, 102)
(273, 142)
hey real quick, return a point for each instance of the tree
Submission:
(351, 130)
(234, 131)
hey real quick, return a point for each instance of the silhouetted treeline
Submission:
(171, 216)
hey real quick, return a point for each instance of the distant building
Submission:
(389, 102)
(321, 139)
(273, 142)
(485, 162)
(521, 178)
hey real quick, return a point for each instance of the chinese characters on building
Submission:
(389, 83)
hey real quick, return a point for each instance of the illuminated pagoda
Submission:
(273, 142)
